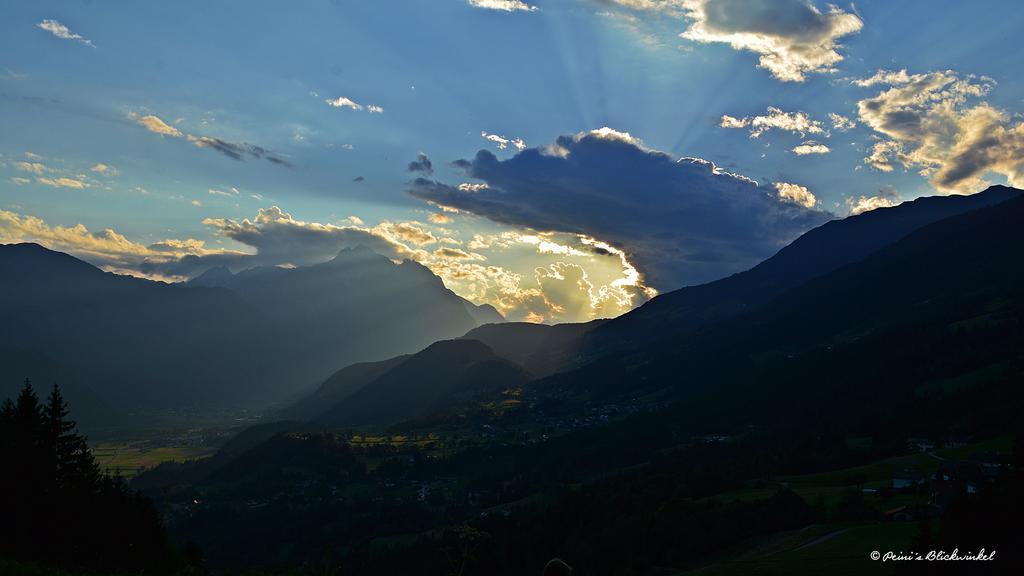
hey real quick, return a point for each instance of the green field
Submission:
(128, 459)
(833, 550)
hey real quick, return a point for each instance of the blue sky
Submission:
(78, 81)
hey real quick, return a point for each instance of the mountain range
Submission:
(121, 344)
(521, 440)
(592, 355)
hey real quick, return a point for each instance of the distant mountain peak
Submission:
(215, 276)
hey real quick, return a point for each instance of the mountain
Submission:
(436, 378)
(944, 303)
(132, 341)
(339, 387)
(484, 313)
(817, 252)
(359, 306)
(602, 349)
(539, 348)
(223, 340)
(721, 437)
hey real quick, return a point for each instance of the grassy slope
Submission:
(812, 550)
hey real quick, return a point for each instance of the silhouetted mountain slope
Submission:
(430, 380)
(821, 250)
(224, 340)
(17, 363)
(817, 252)
(540, 348)
(338, 387)
(132, 341)
(359, 306)
(944, 301)
(923, 338)
(483, 313)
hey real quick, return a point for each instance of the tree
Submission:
(57, 507)
(72, 464)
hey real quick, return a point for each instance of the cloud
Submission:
(20, 181)
(343, 102)
(156, 125)
(238, 150)
(36, 168)
(680, 221)
(841, 123)
(104, 169)
(230, 192)
(503, 5)
(776, 119)
(107, 249)
(447, 252)
(792, 37)
(64, 182)
(810, 147)
(934, 123)
(503, 142)
(437, 218)
(572, 285)
(61, 31)
(887, 196)
(421, 164)
(796, 193)
(408, 232)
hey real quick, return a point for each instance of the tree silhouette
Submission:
(58, 508)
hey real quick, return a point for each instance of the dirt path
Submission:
(821, 539)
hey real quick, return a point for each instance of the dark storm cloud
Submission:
(238, 151)
(681, 221)
(422, 164)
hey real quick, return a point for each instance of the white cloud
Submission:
(792, 37)
(36, 168)
(156, 125)
(810, 147)
(343, 102)
(503, 142)
(776, 119)
(64, 182)
(61, 31)
(887, 196)
(796, 194)
(104, 169)
(107, 249)
(503, 5)
(841, 123)
(935, 123)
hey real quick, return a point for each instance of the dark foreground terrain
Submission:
(860, 391)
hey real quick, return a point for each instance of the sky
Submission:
(561, 160)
